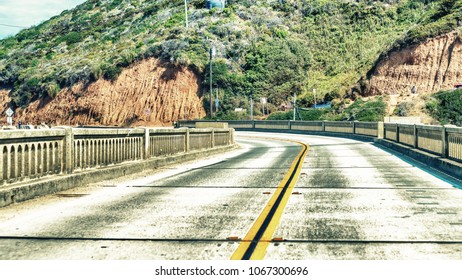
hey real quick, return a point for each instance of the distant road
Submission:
(348, 200)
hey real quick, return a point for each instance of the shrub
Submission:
(446, 107)
(279, 116)
(28, 34)
(402, 109)
(33, 82)
(52, 89)
(3, 53)
(111, 72)
(305, 115)
(360, 110)
(71, 38)
(114, 4)
(232, 115)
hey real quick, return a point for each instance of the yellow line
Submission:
(260, 251)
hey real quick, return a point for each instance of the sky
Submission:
(16, 15)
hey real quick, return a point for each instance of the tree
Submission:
(277, 68)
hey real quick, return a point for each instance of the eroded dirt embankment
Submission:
(430, 67)
(147, 93)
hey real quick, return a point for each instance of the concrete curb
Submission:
(22, 191)
(447, 166)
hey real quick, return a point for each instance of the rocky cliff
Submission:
(430, 67)
(147, 93)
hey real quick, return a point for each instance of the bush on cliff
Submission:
(446, 107)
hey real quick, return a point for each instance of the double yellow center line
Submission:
(257, 240)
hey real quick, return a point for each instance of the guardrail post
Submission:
(231, 136)
(146, 143)
(353, 124)
(416, 137)
(323, 126)
(397, 133)
(290, 125)
(2, 181)
(380, 130)
(8, 163)
(187, 141)
(213, 138)
(444, 143)
(68, 151)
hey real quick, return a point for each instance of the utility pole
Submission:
(314, 93)
(263, 102)
(251, 108)
(186, 12)
(216, 101)
(212, 52)
(295, 100)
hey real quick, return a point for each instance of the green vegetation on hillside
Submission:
(446, 107)
(368, 111)
(305, 115)
(266, 48)
(442, 17)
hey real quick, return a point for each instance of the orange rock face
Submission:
(149, 93)
(431, 66)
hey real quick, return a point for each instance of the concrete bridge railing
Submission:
(29, 154)
(438, 140)
(361, 128)
(442, 141)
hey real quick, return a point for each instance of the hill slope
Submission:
(431, 66)
(272, 49)
(425, 61)
(147, 93)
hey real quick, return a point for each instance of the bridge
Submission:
(288, 191)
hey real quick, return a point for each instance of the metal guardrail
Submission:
(439, 140)
(33, 154)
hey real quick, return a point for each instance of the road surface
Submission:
(344, 200)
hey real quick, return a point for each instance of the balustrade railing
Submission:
(36, 153)
(452, 145)
(443, 141)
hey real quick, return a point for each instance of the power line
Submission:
(9, 25)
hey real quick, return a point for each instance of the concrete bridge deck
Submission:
(352, 200)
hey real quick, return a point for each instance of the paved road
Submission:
(352, 201)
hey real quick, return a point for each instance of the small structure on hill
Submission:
(209, 4)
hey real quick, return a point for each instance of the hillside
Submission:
(146, 93)
(80, 66)
(426, 61)
(430, 67)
